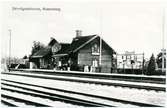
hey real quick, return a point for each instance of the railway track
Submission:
(133, 78)
(66, 96)
(34, 90)
(88, 80)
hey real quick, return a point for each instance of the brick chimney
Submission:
(78, 33)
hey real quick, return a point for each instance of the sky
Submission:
(125, 26)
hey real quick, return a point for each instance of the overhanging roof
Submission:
(42, 52)
(59, 55)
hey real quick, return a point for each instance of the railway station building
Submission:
(84, 53)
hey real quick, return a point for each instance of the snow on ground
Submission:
(69, 94)
(3, 106)
(131, 94)
(15, 103)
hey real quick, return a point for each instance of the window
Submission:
(124, 57)
(128, 57)
(95, 49)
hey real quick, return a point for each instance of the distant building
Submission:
(83, 52)
(161, 60)
(130, 60)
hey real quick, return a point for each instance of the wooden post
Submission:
(100, 56)
(9, 48)
(100, 51)
(143, 65)
(116, 63)
(163, 34)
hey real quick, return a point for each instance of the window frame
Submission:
(95, 49)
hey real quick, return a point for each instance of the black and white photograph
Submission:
(83, 54)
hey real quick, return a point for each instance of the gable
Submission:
(88, 47)
(65, 48)
(52, 42)
(56, 47)
(80, 42)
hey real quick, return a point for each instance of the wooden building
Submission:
(130, 63)
(84, 51)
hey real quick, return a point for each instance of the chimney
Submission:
(78, 33)
(51, 38)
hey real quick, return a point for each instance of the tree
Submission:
(159, 60)
(25, 57)
(36, 47)
(151, 65)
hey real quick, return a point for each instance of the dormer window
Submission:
(95, 49)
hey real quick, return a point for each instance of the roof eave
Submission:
(37, 56)
(59, 55)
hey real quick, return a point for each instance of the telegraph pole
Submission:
(143, 65)
(100, 38)
(9, 48)
(163, 34)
